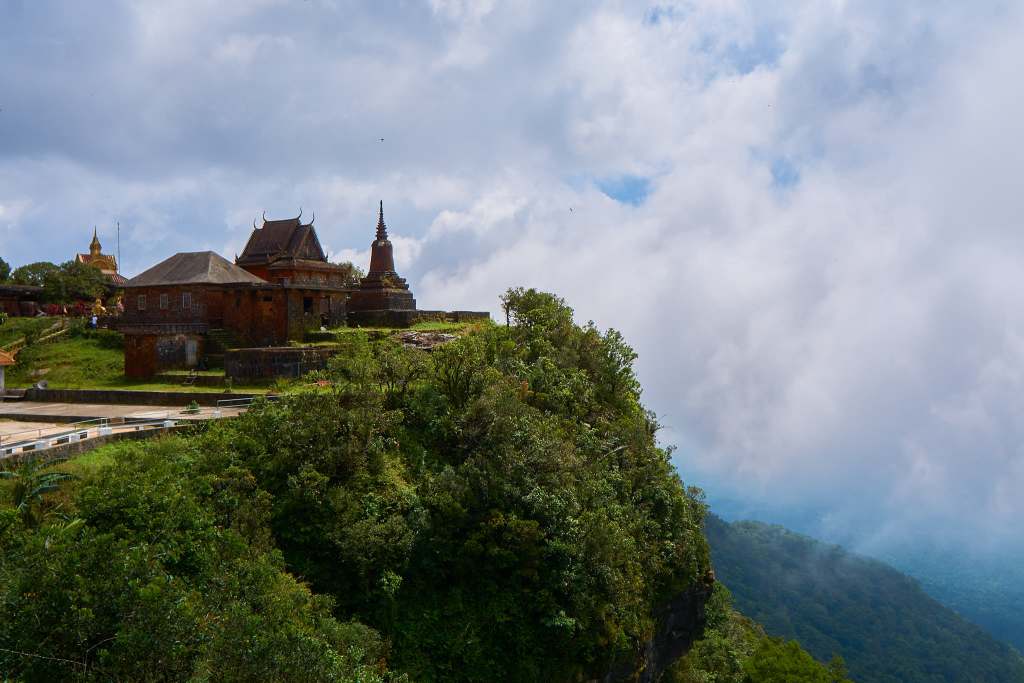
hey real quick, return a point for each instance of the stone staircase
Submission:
(218, 340)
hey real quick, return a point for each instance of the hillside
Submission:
(986, 590)
(881, 622)
(496, 509)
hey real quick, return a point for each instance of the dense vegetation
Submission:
(881, 622)
(987, 589)
(736, 649)
(498, 509)
(494, 510)
(62, 284)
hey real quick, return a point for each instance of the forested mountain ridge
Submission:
(496, 510)
(881, 621)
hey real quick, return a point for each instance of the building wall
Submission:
(205, 305)
(254, 316)
(18, 305)
(265, 363)
(147, 354)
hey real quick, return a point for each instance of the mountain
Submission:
(988, 590)
(887, 629)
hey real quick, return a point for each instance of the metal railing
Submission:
(40, 438)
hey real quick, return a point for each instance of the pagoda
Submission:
(105, 262)
(382, 289)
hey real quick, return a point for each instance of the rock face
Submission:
(681, 623)
(424, 340)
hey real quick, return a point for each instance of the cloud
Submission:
(805, 217)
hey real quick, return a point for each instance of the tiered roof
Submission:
(283, 239)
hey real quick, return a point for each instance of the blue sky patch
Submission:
(628, 189)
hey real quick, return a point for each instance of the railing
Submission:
(30, 440)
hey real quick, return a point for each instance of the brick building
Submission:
(174, 310)
(382, 290)
(19, 299)
(195, 304)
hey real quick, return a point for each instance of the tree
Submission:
(34, 274)
(74, 281)
(31, 482)
(5, 270)
(351, 274)
(64, 284)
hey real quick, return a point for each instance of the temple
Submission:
(382, 293)
(288, 252)
(197, 309)
(105, 262)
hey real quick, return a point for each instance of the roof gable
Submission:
(194, 268)
(287, 238)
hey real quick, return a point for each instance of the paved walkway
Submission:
(35, 420)
(9, 427)
(88, 411)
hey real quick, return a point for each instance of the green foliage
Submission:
(833, 602)
(5, 270)
(735, 649)
(351, 274)
(64, 284)
(496, 509)
(486, 506)
(34, 274)
(151, 580)
(3, 318)
(28, 485)
(20, 327)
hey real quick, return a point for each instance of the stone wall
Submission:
(270, 362)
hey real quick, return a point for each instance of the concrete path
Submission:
(23, 422)
(76, 412)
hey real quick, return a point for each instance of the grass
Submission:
(92, 361)
(438, 326)
(337, 334)
(16, 328)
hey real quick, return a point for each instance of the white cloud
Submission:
(821, 282)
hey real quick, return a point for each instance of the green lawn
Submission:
(15, 328)
(91, 362)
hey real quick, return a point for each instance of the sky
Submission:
(805, 216)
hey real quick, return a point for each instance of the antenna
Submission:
(119, 245)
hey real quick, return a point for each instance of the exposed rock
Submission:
(424, 340)
(681, 623)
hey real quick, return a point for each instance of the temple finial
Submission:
(95, 248)
(382, 230)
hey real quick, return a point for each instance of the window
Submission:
(141, 303)
(186, 301)
(163, 302)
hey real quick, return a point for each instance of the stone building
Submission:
(171, 309)
(197, 304)
(105, 262)
(19, 299)
(382, 291)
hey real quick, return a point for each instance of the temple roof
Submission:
(7, 358)
(287, 238)
(195, 268)
(105, 262)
